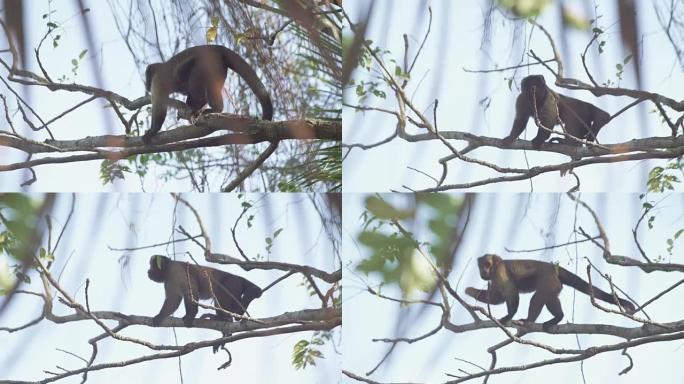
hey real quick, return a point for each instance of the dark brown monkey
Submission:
(581, 119)
(199, 73)
(230, 292)
(508, 278)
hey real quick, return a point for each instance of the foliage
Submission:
(323, 165)
(304, 352)
(18, 215)
(322, 87)
(394, 254)
(270, 239)
(212, 31)
(647, 207)
(112, 170)
(661, 179)
(18, 220)
(525, 8)
(6, 278)
(366, 88)
(575, 20)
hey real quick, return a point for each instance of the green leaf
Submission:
(383, 210)
(303, 354)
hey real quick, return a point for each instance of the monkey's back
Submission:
(530, 274)
(217, 284)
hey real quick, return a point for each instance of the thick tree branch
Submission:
(298, 129)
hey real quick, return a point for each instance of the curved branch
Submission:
(251, 168)
(268, 265)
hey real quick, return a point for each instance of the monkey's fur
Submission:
(230, 292)
(581, 119)
(508, 278)
(199, 73)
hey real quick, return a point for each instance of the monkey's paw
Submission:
(545, 327)
(156, 321)
(470, 291)
(187, 321)
(147, 138)
(537, 143)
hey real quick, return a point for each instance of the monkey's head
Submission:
(158, 267)
(533, 83)
(485, 264)
(151, 70)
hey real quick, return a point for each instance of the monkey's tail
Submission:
(251, 291)
(600, 119)
(569, 278)
(242, 68)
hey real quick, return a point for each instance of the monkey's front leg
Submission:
(518, 127)
(158, 117)
(170, 305)
(512, 304)
(542, 136)
(492, 296)
(489, 296)
(191, 309)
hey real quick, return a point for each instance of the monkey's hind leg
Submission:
(220, 317)
(214, 96)
(190, 311)
(554, 306)
(542, 136)
(195, 103)
(536, 304)
(601, 118)
(170, 305)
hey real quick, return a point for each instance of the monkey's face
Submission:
(157, 270)
(534, 84)
(485, 264)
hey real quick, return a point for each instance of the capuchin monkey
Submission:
(199, 73)
(230, 292)
(581, 119)
(508, 278)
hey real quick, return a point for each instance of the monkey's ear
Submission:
(158, 261)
